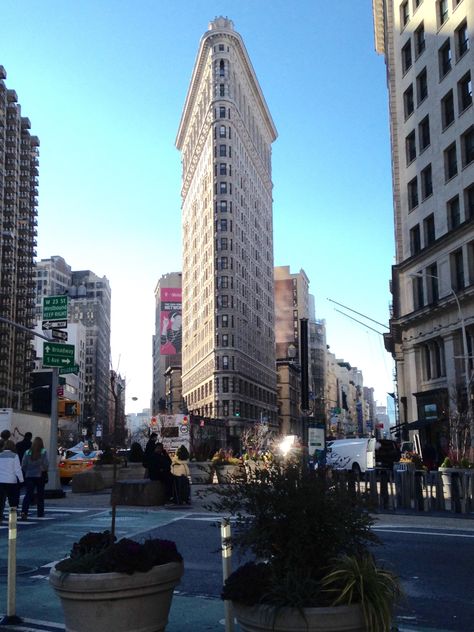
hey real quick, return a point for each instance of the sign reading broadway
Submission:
(55, 307)
(57, 354)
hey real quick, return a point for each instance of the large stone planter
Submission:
(270, 619)
(229, 473)
(202, 472)
(107, 472)
(115, 601)
(131, 472)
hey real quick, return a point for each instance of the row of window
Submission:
(442, 11)
(424, 140)
(461, 43)
(464, 98)
(453, 213)
(450, 156)
(425, 282)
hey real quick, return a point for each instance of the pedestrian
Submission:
(149, 449)
(181, 474)
(5, 435)
(24, 445)
(35, 468)
(10, 476)
(159, 468)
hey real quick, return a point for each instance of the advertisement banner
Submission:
(171, 327)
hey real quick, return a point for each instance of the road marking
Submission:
(436, 533)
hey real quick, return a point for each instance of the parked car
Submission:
(75, 462)
(387, 453)
(357, 455)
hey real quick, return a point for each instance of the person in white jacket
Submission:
(11, 476)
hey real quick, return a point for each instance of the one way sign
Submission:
(53, 324)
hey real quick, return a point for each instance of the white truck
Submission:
(357, 455)
(20, 422)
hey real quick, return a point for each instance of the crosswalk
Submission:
(51, 513)
(32, 625)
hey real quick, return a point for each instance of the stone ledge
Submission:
(138, 492)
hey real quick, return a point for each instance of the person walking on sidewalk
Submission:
(10, 476)
(35, 467)
(180, 472)
(24, 445)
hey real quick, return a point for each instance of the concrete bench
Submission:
(139, 492)
(87, 481)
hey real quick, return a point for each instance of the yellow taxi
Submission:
(74, 462)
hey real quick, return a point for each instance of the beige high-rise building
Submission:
(428, 48)
(225, 137)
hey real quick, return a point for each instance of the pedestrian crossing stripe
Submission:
(33, 625)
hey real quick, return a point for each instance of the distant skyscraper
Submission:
(18, 212)
(89, 304)
(430, 60)
(167, 341)
(225, 137)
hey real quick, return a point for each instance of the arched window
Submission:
(222, 68)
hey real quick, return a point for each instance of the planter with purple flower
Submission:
(124, 586)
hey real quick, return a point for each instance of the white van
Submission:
(357, 455)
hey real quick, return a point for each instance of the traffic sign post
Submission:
(57, 354)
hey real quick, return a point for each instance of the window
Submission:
(415, 240)
(447, 109)
(427, 361)
(426, 182)
(420, 42)
(465, 92)
(450, 162)
(421, 86)
(462, 39)
(424, 133)
(224, 263)
(429, 230)
(454, 212)
(223, 206)
(418, 297)
(410, 147)
(222, 187)
(406, 56)
(225, 384)
(432, 283)
(224, 243)
(408, 101)
(457, 270)
(222, 111)
(221, 68)
(223, 224)
(225, 362)
(444, 58)
(223, 168)
(224, 282)
(442, 11)
(222, 150)
(225, 320)
(221, 48)
(222, 90)
(467, 146)
(404, 13)
(225, 340)
(224, 300)
(222, 131)
(412, 194)
(469, 202)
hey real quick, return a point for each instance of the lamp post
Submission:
(467, 379)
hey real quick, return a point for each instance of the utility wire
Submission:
(363, 315)
(359, 321)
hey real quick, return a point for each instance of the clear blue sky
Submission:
(104, 82)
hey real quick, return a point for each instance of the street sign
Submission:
(53, 324)
(57, 354)
(59, 334)
(55, 308)
(69, 369)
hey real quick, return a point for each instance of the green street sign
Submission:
(55, 307)
(57, 354)
(69, 369)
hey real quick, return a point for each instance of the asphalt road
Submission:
(432, 555)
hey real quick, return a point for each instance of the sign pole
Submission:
(53, 486)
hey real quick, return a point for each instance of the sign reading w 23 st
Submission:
(55, 307)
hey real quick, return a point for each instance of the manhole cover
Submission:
(20, 570)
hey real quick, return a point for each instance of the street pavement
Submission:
(40, 609)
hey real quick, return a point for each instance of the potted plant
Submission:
(454, 474)
(312, 569)
(124, 586)
(228, 467)
(200, 464)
